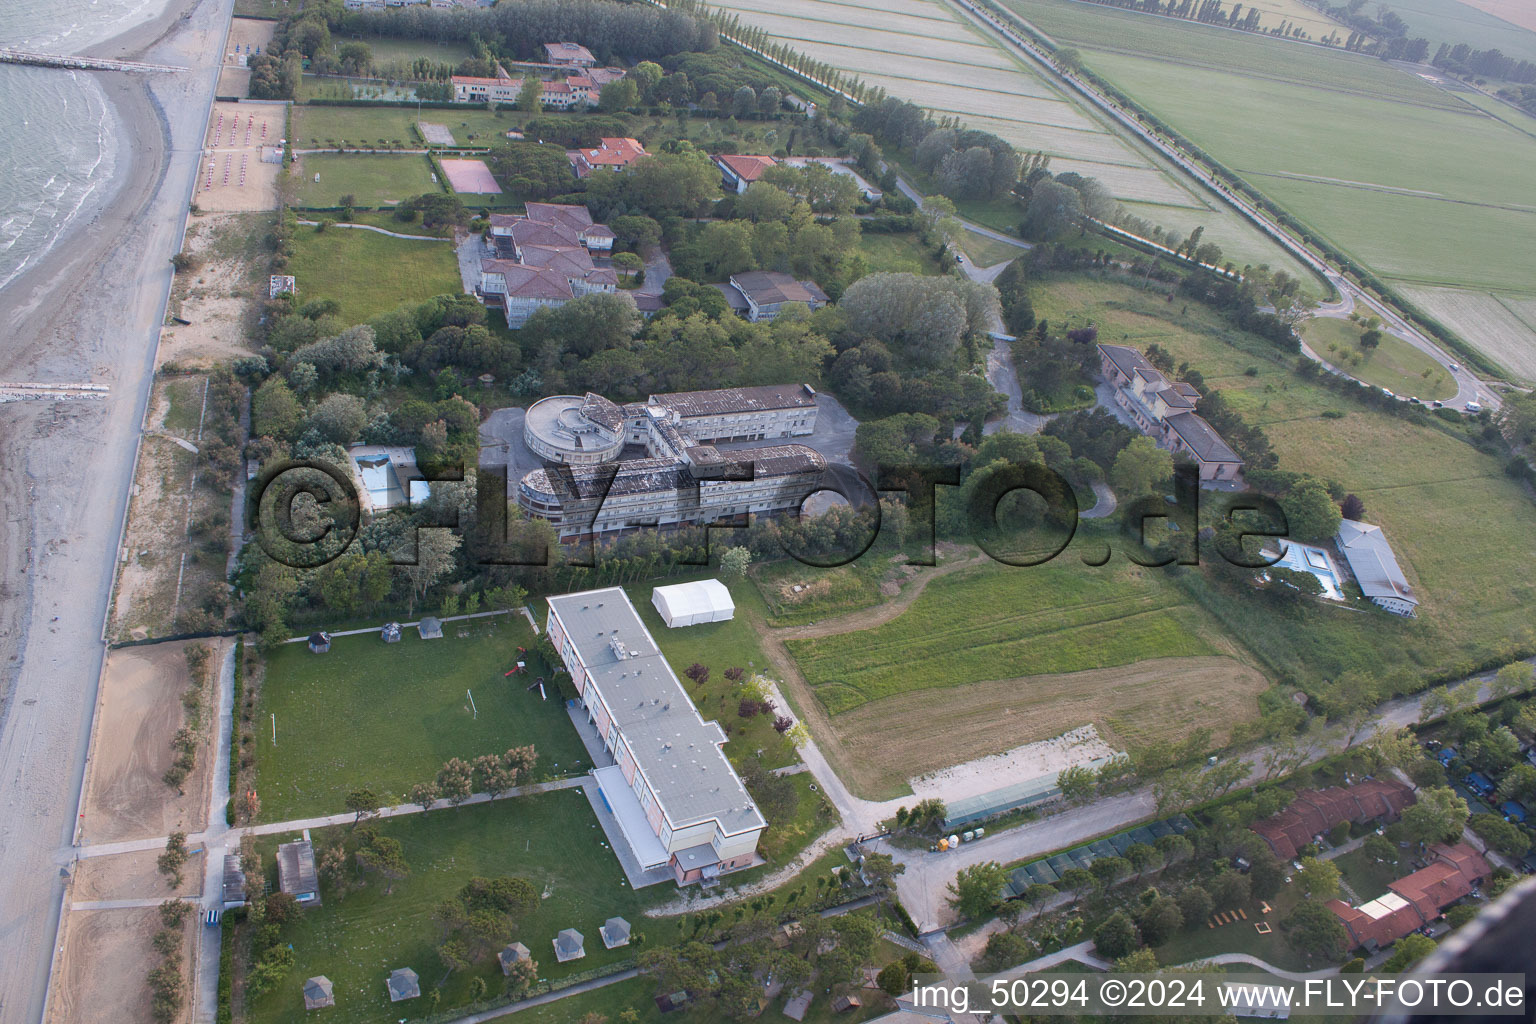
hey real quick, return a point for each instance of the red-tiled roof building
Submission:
(1414, 900)
(1315, 811)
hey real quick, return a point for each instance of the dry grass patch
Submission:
(890, 741)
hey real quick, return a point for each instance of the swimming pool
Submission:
(1303, 558)
(380, 480)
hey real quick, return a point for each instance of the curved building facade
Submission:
(574, 430)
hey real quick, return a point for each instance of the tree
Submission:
(1054, 210)
(1078, 881)
(339, 418)
(1109, 870)
(1141, 467)
(1038, 895)
(976, 890)
(174, 858)
(894, 979)
(1195, 904)
(281, 908)
(1380, 850)
(1117, 936)
(1503, 836)
(647, 75)
(1352, 507)
(744, 102)
(881, 869)
(424, 795)
(1516, 677)
(1142, 857)
(456, 781)
(530, 96)
(275, 410)
(1438, 816)
(434, 559)
(1230, 889)
(1407, 951)
(619, 95)
(1370, 338)
(1310, 512)
(733, 564)
(363, 803)
(1318, 878)
(1160, 920)
(1313, 928)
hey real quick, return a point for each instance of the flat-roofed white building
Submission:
(688, 604)
(677, 800)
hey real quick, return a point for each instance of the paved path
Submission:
(1468, 385)
(205, 977)
(1106, 504)
(412, 625)
(124, 905)
(1005, 378)
(1083, 953)
(231, 836)
(1264, 965)
(370, 227)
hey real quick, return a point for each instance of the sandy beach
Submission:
(89, 310)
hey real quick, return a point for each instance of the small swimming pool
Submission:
(381, 481)
(1304, 558)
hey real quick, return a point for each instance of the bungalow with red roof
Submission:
(610, 154)
(1414, 900)
(1315, 811)
(738, 171)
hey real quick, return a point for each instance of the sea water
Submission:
(59, 133)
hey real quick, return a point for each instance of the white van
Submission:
(1474, 407)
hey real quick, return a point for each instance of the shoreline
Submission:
(89, 308)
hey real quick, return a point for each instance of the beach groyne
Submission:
(54, 60)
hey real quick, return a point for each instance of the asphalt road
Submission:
(90, 310)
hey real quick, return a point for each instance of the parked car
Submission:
(1474, 407)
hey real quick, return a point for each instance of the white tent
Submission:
(688, 604)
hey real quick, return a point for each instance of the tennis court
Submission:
(470, 176)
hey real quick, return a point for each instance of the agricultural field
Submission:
(551, 839)
(372, 180)
(386, 716)
(1461, 529)
(1394, 364)
(926, 52)
(1502, 326)
(369, 273)
(1325, 134)
(1508, 25)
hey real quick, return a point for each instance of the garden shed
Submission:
(688, 604)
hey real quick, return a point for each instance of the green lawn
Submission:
(369, 273)
(1368, 878)
(1201, 942)
(824, 592)
(719, 646)
(986, 252)
(998, 622)
(1394, 365)
(387, 50)
(1460, 528)
(898, 254)
(371, 179)
(552, 839)
(387, 716)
